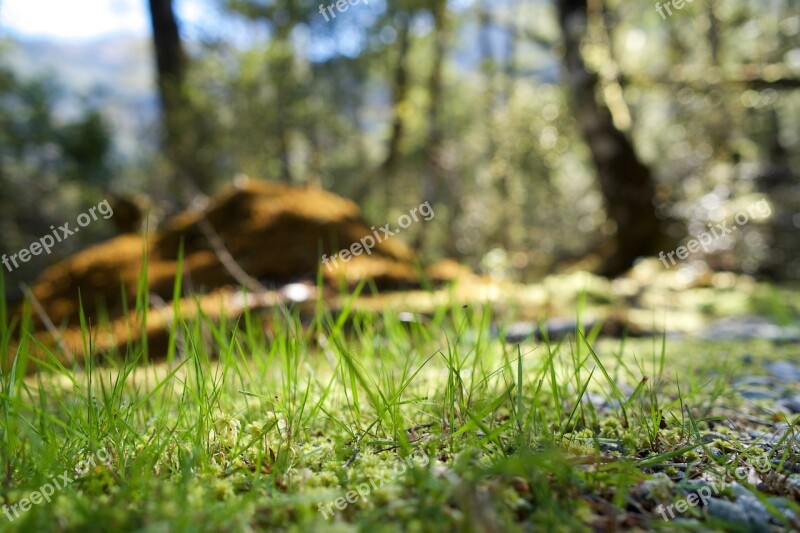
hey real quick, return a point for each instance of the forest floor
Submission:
(461, 417)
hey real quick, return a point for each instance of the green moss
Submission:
(276, 427)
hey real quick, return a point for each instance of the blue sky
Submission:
(84, 19)
(89, 20)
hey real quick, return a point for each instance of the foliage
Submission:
(275, 91)
(246, 427)
(50, 164)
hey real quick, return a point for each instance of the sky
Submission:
(66, 21)
(84, 19)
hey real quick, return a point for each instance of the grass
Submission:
(273, 420)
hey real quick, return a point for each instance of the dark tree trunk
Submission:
(388, 169)
(437, 175)
(433, 178)
(626, 183)
(400, 94)
(492, 100)
(284, 63)
(183, 135)
(170, 58)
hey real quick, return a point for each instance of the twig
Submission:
(352, 458)
(218, 245)
(51, 328)
(227, 260)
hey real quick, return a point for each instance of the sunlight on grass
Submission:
(276, 420)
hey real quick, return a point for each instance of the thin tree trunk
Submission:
(435, 176)
(432, 180)
(499, 178)
(283, 85)
(512, 50)
(388, 168)
(626, 183)
(182, 138)
(386, 171)
(170, 70)
(170, 57)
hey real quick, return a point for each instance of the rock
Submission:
(659, 488)
(735, 514)
(791, 404)
(784, 370)
(783, 506)
(754, 509)
(751, 394)
(517, 332)
(276, 234)
(556, 329)
(750, 381)
(750, 327)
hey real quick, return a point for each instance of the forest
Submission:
(461, 265)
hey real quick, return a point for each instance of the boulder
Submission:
(275, 233)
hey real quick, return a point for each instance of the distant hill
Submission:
(114, 73)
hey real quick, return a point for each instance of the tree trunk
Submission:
(626, 183)
(284, 64)
(437, 175)
(181, 133)
(170, 68)
(170, 58)
(433, 178)
(400, 89)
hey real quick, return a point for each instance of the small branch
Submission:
(352, 458)
(227, 260)
(756, 76)
(51, 328)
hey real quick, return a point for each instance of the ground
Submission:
(451, 418)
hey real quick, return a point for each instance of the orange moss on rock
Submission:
(276, 233)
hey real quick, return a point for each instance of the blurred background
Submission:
(547, 134)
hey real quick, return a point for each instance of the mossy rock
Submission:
(276, 233)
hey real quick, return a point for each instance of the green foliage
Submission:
(35, 141)
(262, 427)
(50, 165)
(706, 95)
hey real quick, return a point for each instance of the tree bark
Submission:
(400, 95)
(625, 182)
(437, 175)
(182, 133)
(170, 58)
(433, 178)
(388, 168)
